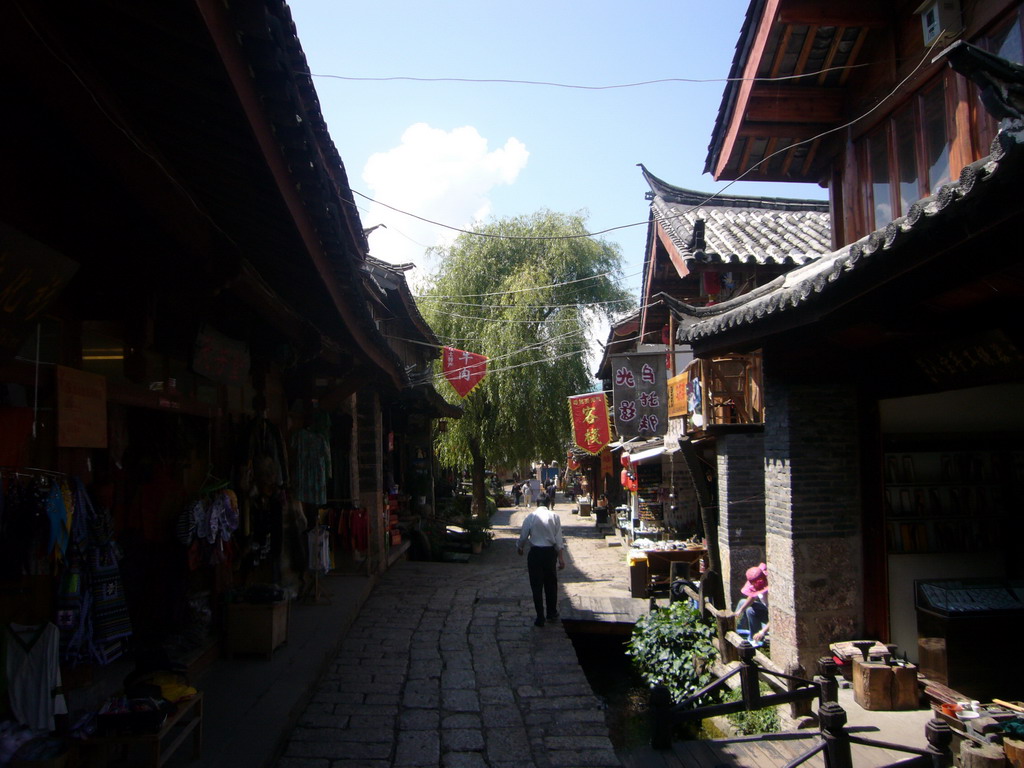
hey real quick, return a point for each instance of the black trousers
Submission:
(542, 566)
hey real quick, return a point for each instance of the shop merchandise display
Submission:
(92, 611)
(671, 544)
(206, 526)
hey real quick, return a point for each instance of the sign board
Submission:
(677, 395)
(31, 277)
(591, 427)
(81, 409)
(640, 387)
(220, 358)
(464, 370)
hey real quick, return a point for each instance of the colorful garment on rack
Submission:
(92, 608)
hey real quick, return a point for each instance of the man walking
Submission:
(543, 529)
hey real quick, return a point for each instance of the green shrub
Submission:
(751, 723)
(674, 647)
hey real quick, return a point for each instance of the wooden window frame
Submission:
(914, 103)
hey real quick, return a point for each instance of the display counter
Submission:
(651, 569)
(962, 627)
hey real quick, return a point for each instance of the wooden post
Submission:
(833, 732)
(1014, 750)
(939, 736)
(661, 718)
(981, 755)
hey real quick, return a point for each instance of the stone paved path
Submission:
(443, 667)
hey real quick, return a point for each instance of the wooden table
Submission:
(160, 745)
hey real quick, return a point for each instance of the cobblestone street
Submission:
(443, 666)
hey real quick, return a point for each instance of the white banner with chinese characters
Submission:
(640, 390)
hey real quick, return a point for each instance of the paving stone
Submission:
(463, 760)
(419, 719)
(590, 758)
(460, 700)
(496, 694)
(338, 750)
(418, 748)
(462, 739)
(458, 678)
(462, 720)
(303, 762)
(504, 742)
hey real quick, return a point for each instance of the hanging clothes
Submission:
(92, 608)
(311, 467)
(359, 529)
(318, 540)
(32, 670)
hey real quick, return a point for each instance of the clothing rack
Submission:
(31, 471)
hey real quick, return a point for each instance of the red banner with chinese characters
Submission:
(463, 369)
(591, 427)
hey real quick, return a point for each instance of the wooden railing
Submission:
(740, 659)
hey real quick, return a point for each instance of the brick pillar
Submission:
(812, 516)
(741, 533)
(369, 431)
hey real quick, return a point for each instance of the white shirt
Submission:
(543, 528)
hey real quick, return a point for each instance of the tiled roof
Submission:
(738, 230)
(805, 292)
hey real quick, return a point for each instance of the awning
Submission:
(650, 453)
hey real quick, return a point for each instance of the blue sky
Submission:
(458, 152)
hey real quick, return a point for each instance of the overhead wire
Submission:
(692, 208)
(614, 86)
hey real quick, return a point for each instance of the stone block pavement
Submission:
(444, 667)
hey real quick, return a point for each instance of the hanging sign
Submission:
(81, 409)
(31, 277)
(464, 370)
(220, 358)
(591, 426)
(677, 395)
(639, 384)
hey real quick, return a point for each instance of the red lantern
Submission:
(624, 479)
(633, 484)
(624, 459)
(573, 464)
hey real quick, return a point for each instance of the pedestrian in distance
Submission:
(517, 492)
(535, 489)
(550, 491)
(542, 528)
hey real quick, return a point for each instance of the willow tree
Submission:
(527, 292)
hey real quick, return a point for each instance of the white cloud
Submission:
(445, 176)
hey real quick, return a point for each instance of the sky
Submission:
(462, 153)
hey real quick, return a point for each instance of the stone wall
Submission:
(741, 527)
(812, 517)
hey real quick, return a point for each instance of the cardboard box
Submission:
(257, 627)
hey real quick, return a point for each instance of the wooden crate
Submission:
(878, 686)
(258, 628)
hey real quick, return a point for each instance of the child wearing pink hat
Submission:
(755, 604)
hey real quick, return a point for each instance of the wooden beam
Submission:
(224, 37)
(835, 13)
(777, 130)
(750, 67)
(793, 104)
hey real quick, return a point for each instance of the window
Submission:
(878, 168)
(908, 156)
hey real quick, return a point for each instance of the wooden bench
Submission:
(162, 744)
